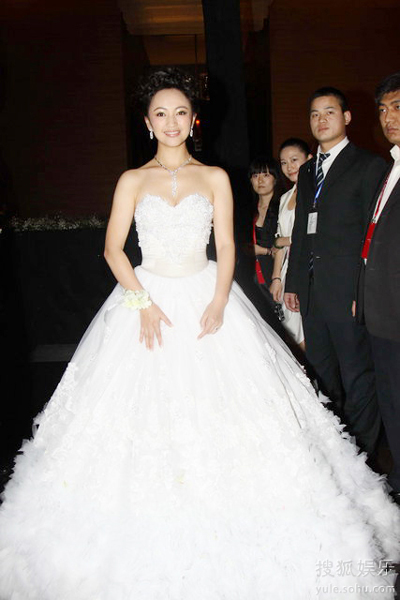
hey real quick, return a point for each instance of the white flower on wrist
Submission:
(136, 299)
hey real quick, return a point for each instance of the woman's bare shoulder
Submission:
(133, 177)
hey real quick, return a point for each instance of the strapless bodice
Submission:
(173, 239)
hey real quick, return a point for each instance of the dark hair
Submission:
(330, 91)
(391, 83)
(297, 143)
(166, 78)
(264, 164)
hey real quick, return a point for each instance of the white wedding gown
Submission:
(203, 470)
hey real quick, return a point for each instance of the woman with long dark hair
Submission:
(267, 185)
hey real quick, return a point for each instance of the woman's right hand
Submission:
(276, 290)
(150, 321)
(261, 251)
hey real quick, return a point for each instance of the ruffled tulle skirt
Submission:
(202, 470)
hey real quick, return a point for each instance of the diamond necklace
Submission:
(174, 173)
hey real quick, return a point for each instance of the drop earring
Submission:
(191, 132)
(151, 134)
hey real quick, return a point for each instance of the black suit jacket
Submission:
(378, 300)
(343, 208)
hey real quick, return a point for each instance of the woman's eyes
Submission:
(180, 113)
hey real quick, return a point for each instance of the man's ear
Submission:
(347, 117)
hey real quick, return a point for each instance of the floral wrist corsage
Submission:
(136, 299)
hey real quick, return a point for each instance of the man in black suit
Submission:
(378, 299)
(335, 190)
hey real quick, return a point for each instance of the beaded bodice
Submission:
(173, 239)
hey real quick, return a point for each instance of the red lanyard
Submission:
(372, 225)
(259, 274)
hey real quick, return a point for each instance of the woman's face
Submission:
(170, 116)
(291, 160)
(263, 183)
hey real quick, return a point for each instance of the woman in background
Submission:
(267, 184)
(293, 153)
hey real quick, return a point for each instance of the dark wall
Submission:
(64, 83)
(350, 45)
(63, 108)
(258, 90)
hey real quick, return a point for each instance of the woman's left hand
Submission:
(212, 319)
(275, 290)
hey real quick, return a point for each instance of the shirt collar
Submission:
(395, 152)
(334, 151)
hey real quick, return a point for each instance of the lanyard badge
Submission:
(372, 224)
(313, 215)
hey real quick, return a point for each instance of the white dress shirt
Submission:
(333, 153)
(393, 178)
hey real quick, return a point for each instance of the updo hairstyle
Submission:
(166, 78)
(297, 143)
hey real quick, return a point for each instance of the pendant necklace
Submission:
(174, 173)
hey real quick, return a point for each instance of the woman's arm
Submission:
(260, 251)
(122, 212)
(212, 318)
(282, 241)
(121, 218)
(276, 283)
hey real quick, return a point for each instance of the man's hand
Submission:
(292, 301)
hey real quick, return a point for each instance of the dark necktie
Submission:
(318, 180)
(320, 174)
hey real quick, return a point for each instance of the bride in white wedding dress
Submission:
(184, 454)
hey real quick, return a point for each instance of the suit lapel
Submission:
(341, 163)
(311, 166)
(393, 198)
(378, 191)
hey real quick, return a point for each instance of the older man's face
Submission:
(389, 116)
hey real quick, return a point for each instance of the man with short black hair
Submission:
(335, 190)
(378, 299)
